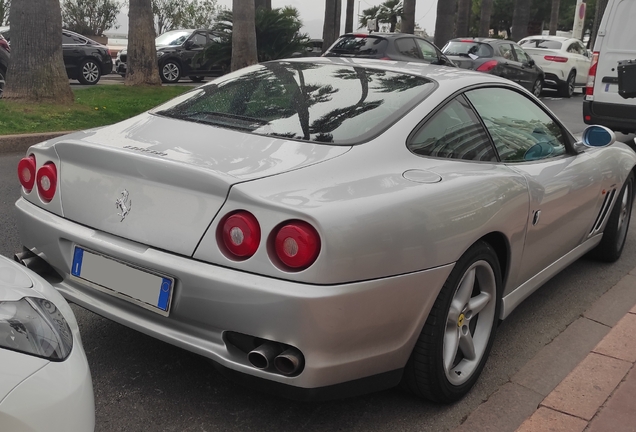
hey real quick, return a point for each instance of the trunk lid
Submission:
(161, 181)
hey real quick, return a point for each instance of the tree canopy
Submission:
(90, 17)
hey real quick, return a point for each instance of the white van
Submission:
(616, 41)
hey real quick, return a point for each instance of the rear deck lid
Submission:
(161, 181)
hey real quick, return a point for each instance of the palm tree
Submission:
(389, 12)
(408, 17)
(463, 17)
(520, 18)
(349, 16)
(484, 20)
(368, 15)
(36, 71)
(554, 16)
(243, 34)
(142, 54)
(265, 4)
(445, 22)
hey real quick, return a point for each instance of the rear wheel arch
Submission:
(499, 242)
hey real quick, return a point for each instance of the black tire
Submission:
(537, 87)
(611, 246)
(567, 88)
(196, 78)
(89, 72)
(425, 374)
(170, 72)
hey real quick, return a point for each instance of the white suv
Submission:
(565, 61)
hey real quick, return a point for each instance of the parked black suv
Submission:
(85, 59)
(388, 46)
(180, 53)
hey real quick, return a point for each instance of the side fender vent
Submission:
(602, 215)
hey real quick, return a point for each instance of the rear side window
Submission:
(467, 48)
(453, 132)
(407, 47)
(540, 43)
(428, 51)
(325, 103)
(359, 46)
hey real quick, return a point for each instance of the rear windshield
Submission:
(329, 103)
(359, 45)
(540, 43)
(467, 48)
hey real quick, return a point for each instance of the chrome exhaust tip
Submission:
(289, 361)
(263, 356)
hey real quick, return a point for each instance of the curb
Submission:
(20, 143)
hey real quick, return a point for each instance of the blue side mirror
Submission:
(598, 136)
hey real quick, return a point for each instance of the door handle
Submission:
(536, 217)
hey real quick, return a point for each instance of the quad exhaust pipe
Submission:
(286, 361)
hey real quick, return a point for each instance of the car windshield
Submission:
(174, 37)
(359, 45)
(467, 48)
(330, 103)
(540, 43)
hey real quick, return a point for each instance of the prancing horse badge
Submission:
(124, 205)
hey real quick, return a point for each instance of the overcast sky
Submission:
(312, 14)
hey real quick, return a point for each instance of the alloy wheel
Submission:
(90, 72)
(171, 72)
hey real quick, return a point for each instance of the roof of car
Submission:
(382, 34)
(547, 37)
(477, 39)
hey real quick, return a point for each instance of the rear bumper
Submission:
(354, 333)
(617, 117)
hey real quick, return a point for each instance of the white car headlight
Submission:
(35, 326)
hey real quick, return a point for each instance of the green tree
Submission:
(389, 11)
(36, 71)
(5, 6)
(277, 35)
(198, 14)
(90, 17)
(142, 66)
(166, 14)
(369, 14)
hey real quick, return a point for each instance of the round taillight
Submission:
(26, 172)
(241, 234)
(297, 244)
(47, 181)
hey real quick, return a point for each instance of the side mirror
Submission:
(596, 136)
(531, 62)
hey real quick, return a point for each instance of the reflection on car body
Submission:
(326, 227)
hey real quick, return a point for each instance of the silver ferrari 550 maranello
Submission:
(326, 227)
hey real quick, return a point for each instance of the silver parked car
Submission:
(326, 227)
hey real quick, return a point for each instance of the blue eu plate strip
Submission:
(164, 294)
(77, 261)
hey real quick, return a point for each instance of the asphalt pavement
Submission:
(142, 384)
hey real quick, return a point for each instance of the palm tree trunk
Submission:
(484, 19)
(600, 9)
(331, 26)
(36, 71)
(142, 54)
(408, 19)
(445, 22)
(243, 34)
(463, 17)
(554, 16)
(349, 16)
(520, 18)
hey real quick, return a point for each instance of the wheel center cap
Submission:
(460, 320)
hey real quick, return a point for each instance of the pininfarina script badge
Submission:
(124, 205)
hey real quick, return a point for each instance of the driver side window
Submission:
(520, 129)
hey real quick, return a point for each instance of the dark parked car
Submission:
(85, 59)
(180, 53)
(4, 61)
(499, 57)
(388, 46)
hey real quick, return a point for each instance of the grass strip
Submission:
(95, 106)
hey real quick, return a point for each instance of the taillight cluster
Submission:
(488, 66)
(557, 59)
(295, 244)
(591, 76)
(45, 178)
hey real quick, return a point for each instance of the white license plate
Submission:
(139, 286)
